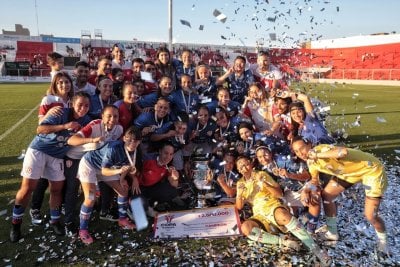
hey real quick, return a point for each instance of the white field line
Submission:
(4, 135)
(14, 109)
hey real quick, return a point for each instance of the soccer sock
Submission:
(18, 213)
(331, 222)
(54, 215)
(312, 223)
(260, 235)
(382, 236)
(85, 217)
(298, 231)
(122, 206)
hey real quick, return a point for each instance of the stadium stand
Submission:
(368, 58)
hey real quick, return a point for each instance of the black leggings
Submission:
(38, 194)
(162, 191)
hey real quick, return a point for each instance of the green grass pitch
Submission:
(379, 133)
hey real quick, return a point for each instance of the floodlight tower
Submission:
(37, 19)
(98, 33)
(86, 34)
(170, 24)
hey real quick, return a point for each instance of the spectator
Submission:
(81, 72)
(55, 62)
(118, 54)
(103, 69)
(265, 73)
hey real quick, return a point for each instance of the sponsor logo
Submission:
(169, 218)
(169, 223)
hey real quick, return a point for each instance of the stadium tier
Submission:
(371, 57)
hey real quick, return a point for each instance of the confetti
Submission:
(219, 16)
(380, 119)
(370, 106)
(186, 23)
(22, 156)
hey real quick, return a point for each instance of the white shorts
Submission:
(292, 198)
(38, 164)
(89, 174)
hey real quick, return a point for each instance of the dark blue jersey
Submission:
(205, 132)
(111, 155)
(238, 86)
(55, 144)
(208, 89)
(184, 102)
(314, 131)
(180, 70)
(233, 107)
(148, 101)
(97, 105)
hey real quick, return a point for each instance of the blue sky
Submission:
(247, 20)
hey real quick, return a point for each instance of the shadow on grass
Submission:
(387, 139)
(10, 160)
(360, 112)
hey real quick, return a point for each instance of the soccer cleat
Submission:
(327, 236)
(58, 228)
(126, 224)
(85, 237)
(331, 237)
(36, 217)
(108, 216)
(383, 248)
(322, 255)
(15, 233)
(292, 244)
(70, 229)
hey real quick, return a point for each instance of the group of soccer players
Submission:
(140, 135)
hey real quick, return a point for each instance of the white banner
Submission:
(24, 79)
(198, 223)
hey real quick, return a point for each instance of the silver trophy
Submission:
(202, 179)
